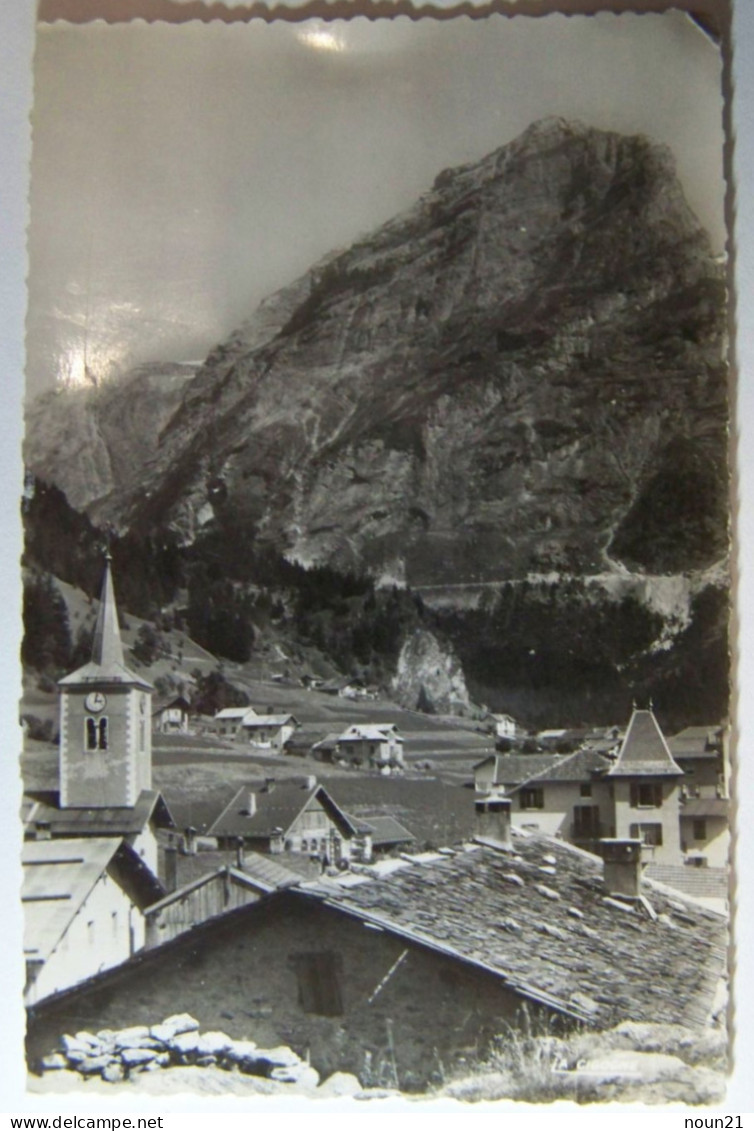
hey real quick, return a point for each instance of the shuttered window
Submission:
(318, 976)
(646, 795)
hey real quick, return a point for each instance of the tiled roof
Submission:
(164, 704)
(386, 830)
(234, 712)
(644, 750)
(510, 769)
(582, 766)
(370, 732)
(256, 722)
(113, 821)
(539, 918)
(696, 742)
(265, 871)
(330, 740)
(275, 810)
(710, 883)
(261, 873)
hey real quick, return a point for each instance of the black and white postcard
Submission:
(377, 707)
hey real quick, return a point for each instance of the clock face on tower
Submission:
(95, 702)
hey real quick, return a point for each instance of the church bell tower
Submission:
(105, 721)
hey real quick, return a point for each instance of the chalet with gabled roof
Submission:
(290, 816)
(372, 744)
(228, 720)
(268, 732)
(171, 716)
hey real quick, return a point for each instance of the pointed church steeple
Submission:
(105, 721)
(108, 660)
(107, 646)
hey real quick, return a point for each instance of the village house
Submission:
(638, 792)
(171, 716)
(228, 720)
(568, 798)
(372, 744)
(400, 972)
(326, 749)
(83, 901)
(268, 732)
(705, 830)
(646, 793)
(500, 772)
(105, 755)
(502, 726)
(291, 816)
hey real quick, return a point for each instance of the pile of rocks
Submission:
(120, 1054)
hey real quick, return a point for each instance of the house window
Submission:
(649, 835)
(142, 735)
(586, 789)
(646, 795)
(586, 822)
(96, 734)
(532, 798)
(318, 975)
(700, 828)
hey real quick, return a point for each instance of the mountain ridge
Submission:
(521, 376)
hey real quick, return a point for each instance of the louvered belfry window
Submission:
(96, 734)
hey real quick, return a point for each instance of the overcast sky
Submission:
(181, 173)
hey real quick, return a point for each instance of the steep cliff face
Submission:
(429, 677)
(503, 379)
(90, 442)
(511, 376)
(521, 377)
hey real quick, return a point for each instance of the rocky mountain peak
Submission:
(503, 379)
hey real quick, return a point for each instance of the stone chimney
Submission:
(622, 857)
(189, 841)
(240, 853)
(171, 868)
(269, 785)
(310, 781)
(251, 803)
(493, 820)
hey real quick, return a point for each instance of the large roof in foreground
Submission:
(539, 917)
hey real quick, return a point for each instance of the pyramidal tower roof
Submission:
(107, 664)
(107, 646)
(644, 750)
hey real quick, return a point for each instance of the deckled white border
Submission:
(16, 47)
